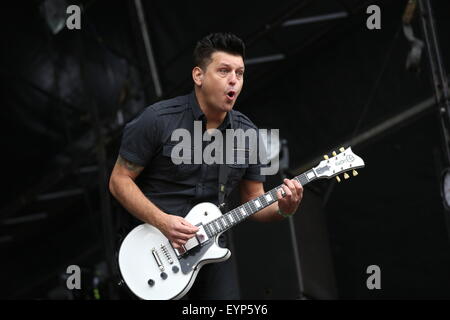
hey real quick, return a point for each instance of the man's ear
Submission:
(197, 76)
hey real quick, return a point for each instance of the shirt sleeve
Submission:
(253, 172)
(140, 138)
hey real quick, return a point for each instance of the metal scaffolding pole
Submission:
(148, 48)
(440, 82)
(438, 73)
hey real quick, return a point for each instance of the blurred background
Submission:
(314, 70)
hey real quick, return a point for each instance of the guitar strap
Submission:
(224, 171)
(223, 177)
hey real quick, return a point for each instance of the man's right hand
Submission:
(177, 229)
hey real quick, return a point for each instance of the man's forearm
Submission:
(125, 190)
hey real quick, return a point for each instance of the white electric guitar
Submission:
(154, 270)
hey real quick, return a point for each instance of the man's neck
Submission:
(214, 118)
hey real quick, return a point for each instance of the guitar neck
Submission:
(239, 214)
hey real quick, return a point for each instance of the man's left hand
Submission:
(294, 194)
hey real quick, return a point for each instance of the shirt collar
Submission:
(199, 115)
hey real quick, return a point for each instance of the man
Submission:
(167, 191)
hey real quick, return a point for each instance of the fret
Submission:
(219, 227)
(213, 227)
(310, 175)
(230, 215)
(248, 206)
(208, 230)
(273, 193)
(224, 221)
(227, 219)
(257, 203)
(263, 201)
(248, 209)
(280, 189)
(216, 225)
(220, 222)
(272, 198)
(304, 178)
(268, 197)
(242, 210)
(252, 205)
(238, 214)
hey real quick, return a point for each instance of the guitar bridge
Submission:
(157, 259)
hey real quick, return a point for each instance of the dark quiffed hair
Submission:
(226, 42)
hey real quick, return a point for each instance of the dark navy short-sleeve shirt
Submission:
(176, 188)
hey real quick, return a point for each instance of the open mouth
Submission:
(231, 94)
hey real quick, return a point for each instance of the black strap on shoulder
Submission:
(224, 171)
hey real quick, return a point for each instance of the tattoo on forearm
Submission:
(127, 164)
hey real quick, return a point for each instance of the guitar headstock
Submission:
(333, 166)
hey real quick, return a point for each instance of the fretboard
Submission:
(233, 217)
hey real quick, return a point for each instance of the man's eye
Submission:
(223, 71)
(240, 73)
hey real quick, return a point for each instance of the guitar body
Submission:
(152, 269)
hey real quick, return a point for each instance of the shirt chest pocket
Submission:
(178, 164)
(236, 170)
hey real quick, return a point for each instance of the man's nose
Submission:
(232, 79)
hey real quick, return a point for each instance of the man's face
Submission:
(222, 80)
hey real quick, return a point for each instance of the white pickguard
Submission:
(138, 265)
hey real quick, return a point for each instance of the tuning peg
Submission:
(334, 153)
(342, 149)
(325, 157)
(346, 176)
(355, 173)
(338, 179)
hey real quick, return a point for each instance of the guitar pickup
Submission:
(199, 238)
(201, 234)
(191, 243)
